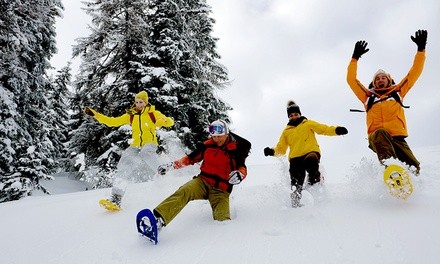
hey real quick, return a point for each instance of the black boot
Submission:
(296, 196)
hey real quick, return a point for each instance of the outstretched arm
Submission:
(162, 120)
(108, 121)
(419, 61)
(356, 86)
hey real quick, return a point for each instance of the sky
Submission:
(352, 221)
(280, 50)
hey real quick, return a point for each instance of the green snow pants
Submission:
(195, 189)
(387, 147)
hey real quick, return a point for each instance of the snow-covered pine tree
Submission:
(184, 74)
(108, 79)
(164, 47)
(58, 95)
(27, 41)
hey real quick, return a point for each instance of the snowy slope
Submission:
(353, 221)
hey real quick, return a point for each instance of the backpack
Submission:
(243, 145)
(242, 151)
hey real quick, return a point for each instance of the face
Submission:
(381, 81)
(219, 140)
(294, 116)
(139, 104)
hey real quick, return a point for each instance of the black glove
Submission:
(341, 131)
(360, 48)
(235, 177)
(162, 169)
(269, 152)
(89, 112)
(420, 39)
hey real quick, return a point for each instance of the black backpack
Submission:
(243, 149)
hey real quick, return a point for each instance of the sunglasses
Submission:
(216, 130)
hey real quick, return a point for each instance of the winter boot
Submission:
(116, 199)
(296, 196)
(160, 223)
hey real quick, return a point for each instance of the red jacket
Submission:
(218, 162)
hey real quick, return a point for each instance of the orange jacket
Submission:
(218, 162)
(387, 114)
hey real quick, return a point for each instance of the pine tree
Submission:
(27, 41)
(164, 47)
(185, 50)
(58, 95)
(109, 77)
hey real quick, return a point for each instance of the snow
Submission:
(354, 220)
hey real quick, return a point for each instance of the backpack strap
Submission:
(152, 117)
(151, 114)
(373, 99)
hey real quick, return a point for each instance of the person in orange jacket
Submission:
(304, 152)
(223, 158)
(138, 162)
(383, 102)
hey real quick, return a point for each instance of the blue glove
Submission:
(235, 177)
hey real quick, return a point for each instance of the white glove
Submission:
(235, 177)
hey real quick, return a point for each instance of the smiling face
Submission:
(139, 104)
(381, 81)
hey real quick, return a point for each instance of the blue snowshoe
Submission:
(147, 225)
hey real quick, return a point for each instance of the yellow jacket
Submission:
(301, 139)
(143, 128)
(388, 114)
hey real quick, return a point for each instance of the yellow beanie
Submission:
(142, 95)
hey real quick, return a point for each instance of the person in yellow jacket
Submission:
(138, 162)
(383, 102)
(304, 153)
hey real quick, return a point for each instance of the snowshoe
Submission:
(146, 225)
(398, 181)
(112, 204)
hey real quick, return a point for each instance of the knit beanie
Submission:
(380, 71)
(143, 96)
(292, 107)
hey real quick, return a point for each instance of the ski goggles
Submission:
(216, 130)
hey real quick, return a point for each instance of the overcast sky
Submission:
(277, 50)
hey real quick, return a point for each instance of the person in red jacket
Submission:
(223, 158)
